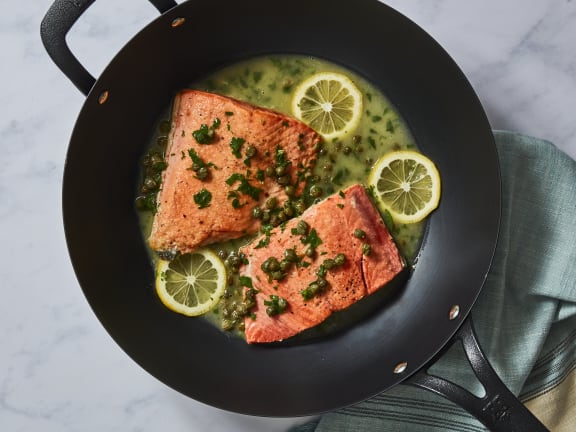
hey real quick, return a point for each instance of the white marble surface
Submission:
(59, 370)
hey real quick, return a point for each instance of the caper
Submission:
(196, 166)
(347, 150)
(366, 249)
(222, 254)
(278, 275)
(358, 233)
(269, 171)
(273, 264)
(141, 202)
(280, 170)
(316, 191)
(340, 259)
(271, 203)
(288, 209)
(327, 167)
(257, 212)
(313, 287)
(274, 220)
(162, 141)
(322, 283)
(150, 183)
(356, 139)
(290, 255)
(281, 215)
(227, 324)
(202, 173)
(156, 159)
(322, 271)
(359, 149)
(283, 180)
(299, 207)
(310, 252)
(233, 259)
(266, 216)
(241, 309)
(250, 151)
(290, 190)
(302, 227)
(285, 265)
(282, 303)
(329, 263)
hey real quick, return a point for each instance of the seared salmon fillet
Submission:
(217, 153)
(345, 223)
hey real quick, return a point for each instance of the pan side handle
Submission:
(56, 24)
(499, 409)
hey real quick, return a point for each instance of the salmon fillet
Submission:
(235, 184)
(335, 221)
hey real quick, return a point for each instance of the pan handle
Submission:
(55, 26)
(499, 409)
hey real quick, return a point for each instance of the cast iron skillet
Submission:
(396, 344)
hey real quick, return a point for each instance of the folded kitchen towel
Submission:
(525, 317)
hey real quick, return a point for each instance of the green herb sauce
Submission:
(270, 82)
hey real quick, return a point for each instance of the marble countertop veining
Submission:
(59, 369)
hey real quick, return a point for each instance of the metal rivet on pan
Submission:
(400, 367)
(454, 312)
(178, 22)
(103, 97)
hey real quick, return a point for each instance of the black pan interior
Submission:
(109, 255)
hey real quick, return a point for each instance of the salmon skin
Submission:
(234, 142)
(343, 223)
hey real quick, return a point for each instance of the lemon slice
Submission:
(406, 184)
(191, 284)
(329, 103)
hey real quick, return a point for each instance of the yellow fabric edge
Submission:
(557, 407)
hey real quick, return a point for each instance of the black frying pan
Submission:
(396, 344)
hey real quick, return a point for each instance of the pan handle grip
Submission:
(55, 25)
(499, 409)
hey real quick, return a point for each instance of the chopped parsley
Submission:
(236, 145)
(372, 142)
(235, 199)
(199, 166)
(246, 281)
(203, 198)
(312, 239)
(205, 135)
(245, 187)
(389, 126)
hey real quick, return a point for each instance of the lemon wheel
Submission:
(191, 284)
(328, 102)
(406, 184)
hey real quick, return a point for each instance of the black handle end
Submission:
(56, 23)
(499, 409)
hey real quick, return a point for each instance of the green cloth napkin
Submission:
(525, 317)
